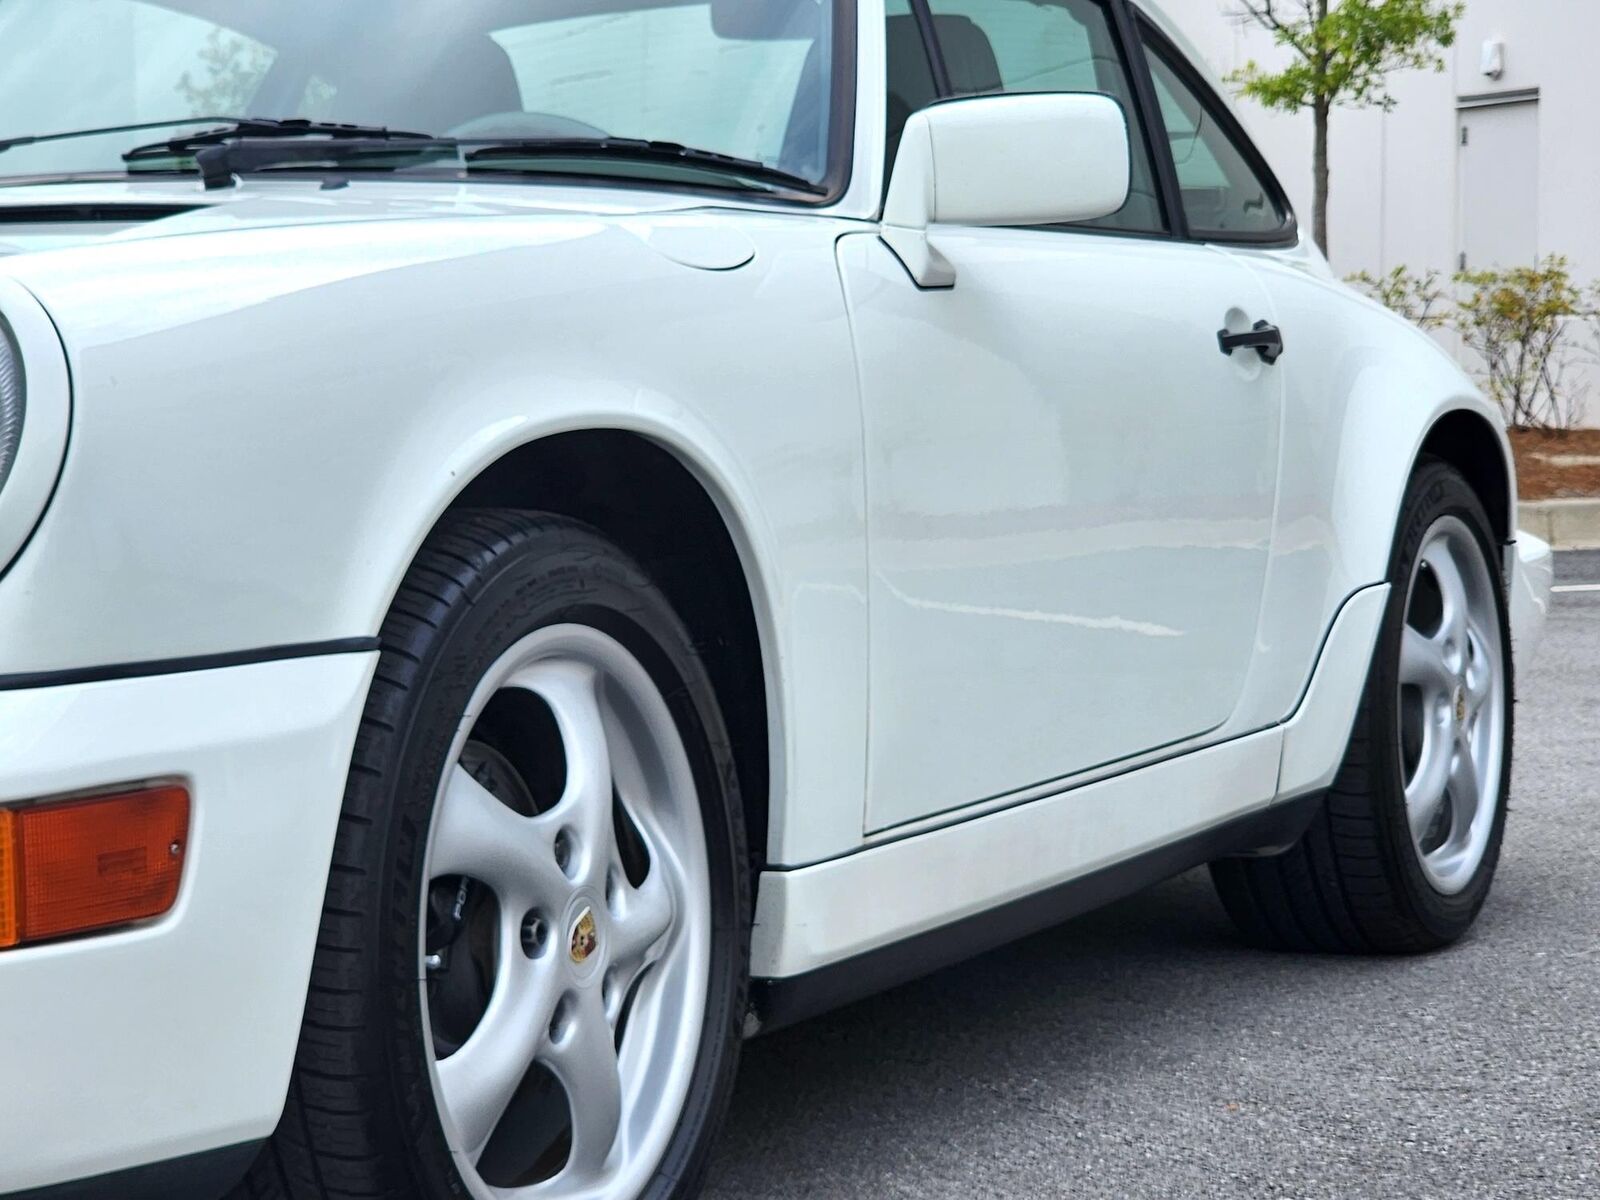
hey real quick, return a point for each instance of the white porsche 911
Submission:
(543, 538)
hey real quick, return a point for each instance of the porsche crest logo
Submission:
(585, 937)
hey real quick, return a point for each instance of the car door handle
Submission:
(1266, 339)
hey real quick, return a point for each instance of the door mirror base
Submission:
(928, 269)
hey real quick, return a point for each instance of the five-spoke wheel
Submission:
(532, 971)
(1452, 704)
(1402, 849)
(567, 885)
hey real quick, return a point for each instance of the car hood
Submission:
(41, 217)
(111, 264)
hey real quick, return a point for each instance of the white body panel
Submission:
(1362, 391)
(176, 1037)
(1089, 586)
(1068, 536)
(828, 913)
(422, 354)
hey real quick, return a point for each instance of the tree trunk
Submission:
(1319, 169)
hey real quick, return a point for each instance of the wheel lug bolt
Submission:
(563, 852)
(534, 933)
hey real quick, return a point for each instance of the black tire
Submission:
(360, 1119)
(1354, 882)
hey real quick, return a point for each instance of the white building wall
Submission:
(1395, 197)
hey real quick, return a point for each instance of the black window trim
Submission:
(1145, 36)
(846, 85)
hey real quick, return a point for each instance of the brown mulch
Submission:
(1552, 466)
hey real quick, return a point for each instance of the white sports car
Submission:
(542, 538)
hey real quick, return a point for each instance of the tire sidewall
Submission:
(534, 581)
(1436, 491)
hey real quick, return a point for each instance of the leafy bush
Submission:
(1524, 325)
(1420, 299)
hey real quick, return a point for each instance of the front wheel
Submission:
(1403, 855)
(531, 974)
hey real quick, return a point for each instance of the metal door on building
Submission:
(1499, 181)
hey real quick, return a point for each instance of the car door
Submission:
(1070, 486)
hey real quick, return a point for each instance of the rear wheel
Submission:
(1404, 853)
(531, 975)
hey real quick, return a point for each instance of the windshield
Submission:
(748, 79)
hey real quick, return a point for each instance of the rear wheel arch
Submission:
(1471, 444)
(647, 498)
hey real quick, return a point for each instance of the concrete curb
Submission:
(1565, 524)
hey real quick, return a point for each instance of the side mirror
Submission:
(1039, 159)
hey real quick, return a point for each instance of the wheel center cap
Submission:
(584, 937)
(1461, 705)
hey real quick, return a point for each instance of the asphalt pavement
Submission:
(1142, 1051)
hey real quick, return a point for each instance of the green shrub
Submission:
(1524, 325)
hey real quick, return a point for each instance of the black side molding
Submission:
(178, 666)
(194, 1177)
(775, 1003)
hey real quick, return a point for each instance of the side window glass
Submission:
(1223, 195)
(1048, 46)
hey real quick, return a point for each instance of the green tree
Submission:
(234, 68)
(1342, 54)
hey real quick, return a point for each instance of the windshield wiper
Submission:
(489, 151)
(32, 139)
(256, 142)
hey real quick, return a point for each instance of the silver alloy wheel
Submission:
(1452, 705)
(612, 952)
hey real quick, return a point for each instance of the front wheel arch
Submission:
(642, 496)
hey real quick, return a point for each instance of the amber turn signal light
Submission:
(83, 865)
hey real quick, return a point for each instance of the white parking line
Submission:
(1577, 587)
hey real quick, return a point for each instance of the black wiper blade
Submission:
(33, 139)
(252, 144)
(265, 127)
(492, 150)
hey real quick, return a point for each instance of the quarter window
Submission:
(1224, 195)
(997, 46)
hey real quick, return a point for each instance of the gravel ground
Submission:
(1142, 1052)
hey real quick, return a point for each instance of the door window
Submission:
(995, 46)
(1224, 194)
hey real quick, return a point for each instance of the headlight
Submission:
(35, 410)
(11, 403)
